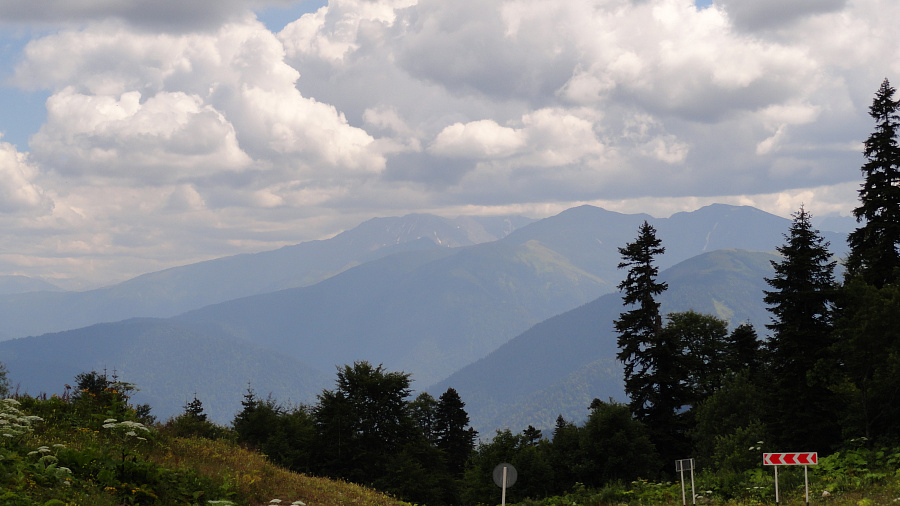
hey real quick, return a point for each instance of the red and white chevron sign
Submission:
(791, 459)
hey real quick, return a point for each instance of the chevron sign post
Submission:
(804, 459)
(791, 459)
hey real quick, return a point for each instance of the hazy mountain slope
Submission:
(427, 313)
(168, 363)
(559, 365)
(24, 284)
(430, 311)
(173, 291)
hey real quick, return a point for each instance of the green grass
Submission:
(56, 452)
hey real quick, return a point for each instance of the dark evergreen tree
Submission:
(453, 435)
(194, 409)
(639, 328)
(743, 351)
(801, 305)
(565, 455)
(254, 423)
(874, 246)
(532, 435)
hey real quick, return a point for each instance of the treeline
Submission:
(367, 430)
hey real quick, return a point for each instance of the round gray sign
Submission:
(510, 475)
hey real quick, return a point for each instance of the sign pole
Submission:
(504, 487)
(806, 482)
(777, 501)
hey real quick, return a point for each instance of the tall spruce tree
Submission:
(873, 246)
(640, 350)
(454, 436)
(868, 325)
(801, 303)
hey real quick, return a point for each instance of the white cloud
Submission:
(170, 136)
(180, 107)
(477, 139)
(18, 191)
(376, 107)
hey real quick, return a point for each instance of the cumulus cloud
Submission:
(477, 139)
(181, 107)
(170, 136)
(18, 191)
(375, 107)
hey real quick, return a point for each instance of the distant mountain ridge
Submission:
(179, 289)
(430, 311)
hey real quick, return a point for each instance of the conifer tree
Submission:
(801, 300)
(639, 328)
(874, 246)
(194, 409)
(454, 436)
(743, 350)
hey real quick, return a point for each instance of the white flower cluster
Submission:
(13, 422)
(128, 427)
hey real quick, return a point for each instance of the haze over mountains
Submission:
(449, 301)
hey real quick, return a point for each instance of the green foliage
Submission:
(103, 459)
(873, 246)
(452, 434)
(4, 381)
(801, 299)
(649, 358)
(614, 446)
(868, 343)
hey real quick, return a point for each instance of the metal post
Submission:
(777, 498)
(806, 481)
(504, 487)
(683, 497)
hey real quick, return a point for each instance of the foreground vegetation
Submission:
(92, 448)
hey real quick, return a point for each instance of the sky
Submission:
(137, 136)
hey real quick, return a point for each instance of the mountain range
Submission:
(454, 303)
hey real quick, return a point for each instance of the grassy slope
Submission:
(256, 480)
(107, 466)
